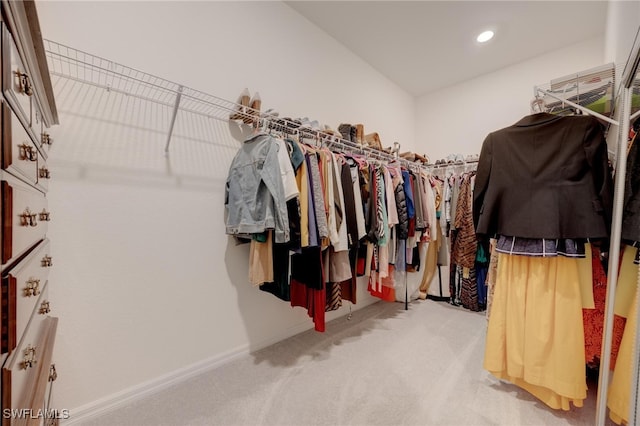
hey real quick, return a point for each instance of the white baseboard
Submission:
(127, 396)
(117, 400)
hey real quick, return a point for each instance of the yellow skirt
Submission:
(535, 337)
(620, 387)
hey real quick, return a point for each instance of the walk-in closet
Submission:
(320, 213)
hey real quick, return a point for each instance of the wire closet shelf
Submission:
(592, 89)
(76, 65)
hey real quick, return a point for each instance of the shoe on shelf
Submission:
(254, 109)
(345, 131)
(409, 156)
(360, 134)
(422, 159)
(353, 134)
(328, 130)
(241, 105)
(305, 123)
(315, 125)
(373, 140)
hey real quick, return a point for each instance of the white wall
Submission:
(623, 20)
(456, 119)
(145, 281)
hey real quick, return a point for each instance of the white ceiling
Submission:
(426, 45)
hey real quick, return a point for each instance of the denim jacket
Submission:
(254, 194)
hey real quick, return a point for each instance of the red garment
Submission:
(594, 318)
(303, 294)
(388, 294)
(386, 291)
(313, 300)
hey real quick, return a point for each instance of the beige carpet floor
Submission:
(385, 366)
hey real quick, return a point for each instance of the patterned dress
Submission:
(465, 245)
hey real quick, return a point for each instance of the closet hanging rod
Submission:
(575, 105)
(455, 164)
(330, 140)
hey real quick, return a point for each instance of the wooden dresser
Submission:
(28, 329)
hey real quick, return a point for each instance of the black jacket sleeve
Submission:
(483, 175)
(596, 152)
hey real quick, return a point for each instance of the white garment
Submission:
(334, 237)
(362, 230)
(287, 173)
(367, 262)
(429, 206)
(392, 210)
(343, 239)
(383, 262)
(393, 246)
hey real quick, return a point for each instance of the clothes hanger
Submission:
(538, 105)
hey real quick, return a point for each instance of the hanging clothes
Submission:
(464, 246)
(543, 162)
(435, 239)
(254, 195)
(526, 175)
(619, 397)
(321, 219)
(353, 211)
(626, 302)
(279, 287)
(523, 349)
(594, 318)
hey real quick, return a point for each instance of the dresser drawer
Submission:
(40, 131)
(37, 125)
(26, 373)
(18, 317)
(24, 294)
(24, 217)
(17, 85)
(20, 155)
(44, 174)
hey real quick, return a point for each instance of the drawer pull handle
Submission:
(28, 219)
(46, 139)
(45, 308)
(47, 261)
(29, 359)
(25, 83)
(53, 374)
(45, 173)
(32, 288)
(28, 152)
(45, 216)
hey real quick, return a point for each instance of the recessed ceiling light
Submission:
(485, 36)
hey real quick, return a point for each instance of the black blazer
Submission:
(546, 176)
(631, 214)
